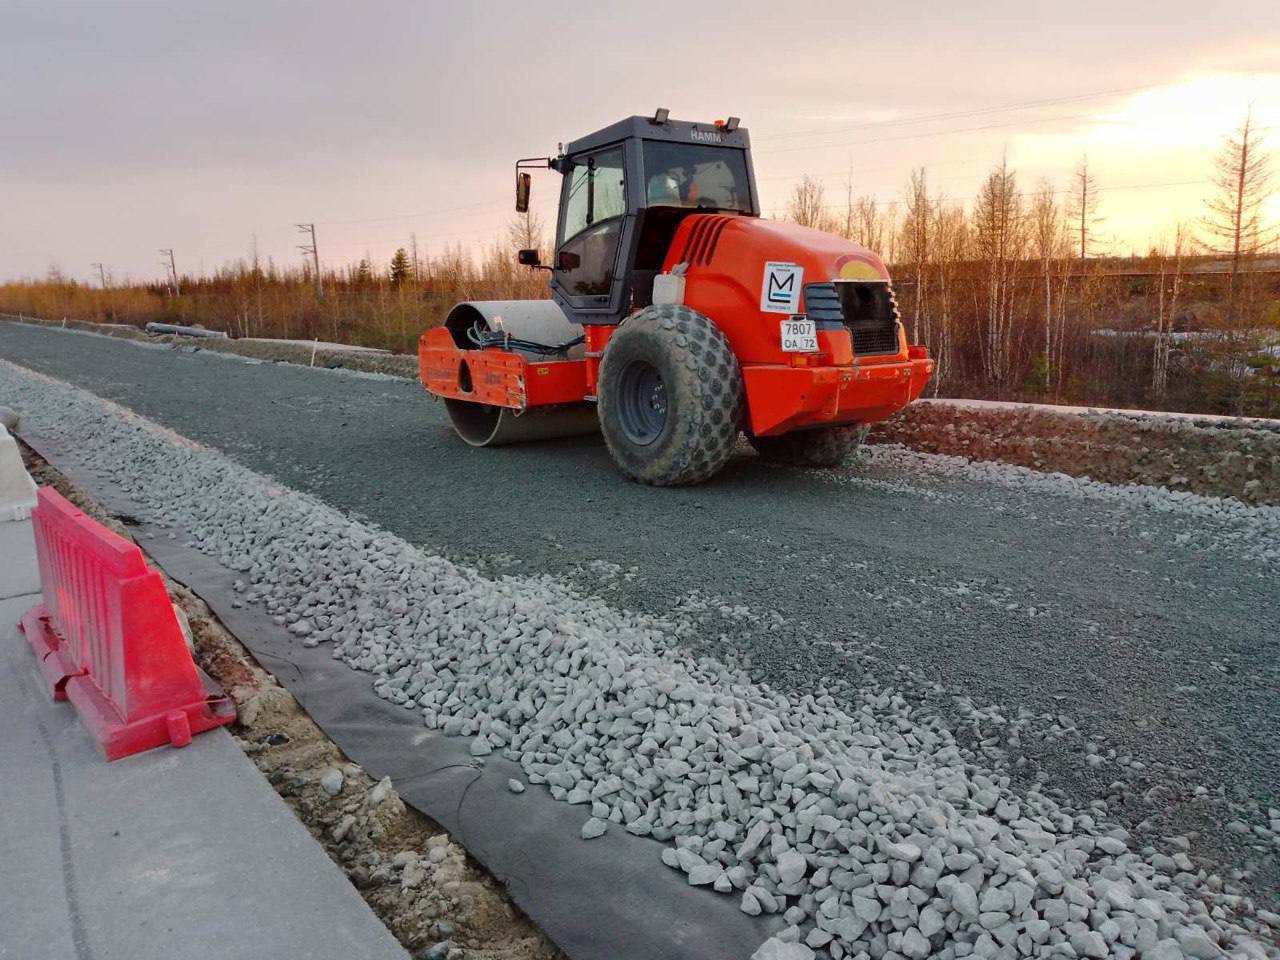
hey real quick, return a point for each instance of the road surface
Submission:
(1152, 632)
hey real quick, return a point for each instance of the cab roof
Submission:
(674, 131)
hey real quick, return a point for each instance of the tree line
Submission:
(383, 305)
(1011, 297)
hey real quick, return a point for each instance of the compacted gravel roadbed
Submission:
(1119, 645)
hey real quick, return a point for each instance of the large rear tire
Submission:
(820, 447)
(670, 397)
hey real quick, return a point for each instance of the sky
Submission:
(208, 127)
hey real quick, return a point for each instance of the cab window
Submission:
(695, 175)
(595, 192)
(591, 226)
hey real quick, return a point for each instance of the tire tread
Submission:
(710, 397)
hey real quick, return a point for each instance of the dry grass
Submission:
(361, 305)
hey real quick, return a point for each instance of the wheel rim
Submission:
(642, 402)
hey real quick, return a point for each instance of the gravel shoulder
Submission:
(1117, 645)
(421, 883)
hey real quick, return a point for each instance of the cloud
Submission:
(133, 124)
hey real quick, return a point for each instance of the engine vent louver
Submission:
(700, 245)
(822, 303)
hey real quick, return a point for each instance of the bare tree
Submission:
(806, 205)
(1046, 238)
(848, 228)
(1082, 207)
(917, 235)
(951, 240)
(525, 232)
(1166, 310)
(1234, 226)
(999, 226)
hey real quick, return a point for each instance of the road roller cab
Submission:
(678, 317)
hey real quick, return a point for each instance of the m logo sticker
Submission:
(780, 292)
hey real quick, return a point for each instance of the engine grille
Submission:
(869, 310)
(877, 342)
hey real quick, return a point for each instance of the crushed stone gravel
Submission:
(827, 811)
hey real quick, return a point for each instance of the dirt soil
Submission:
(436, 900)
(1205, 457)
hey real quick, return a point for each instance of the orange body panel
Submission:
(782, 398)
(727, 257)
(499, 378)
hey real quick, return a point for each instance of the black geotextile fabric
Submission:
(610, 898)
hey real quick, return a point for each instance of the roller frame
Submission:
(496, 396)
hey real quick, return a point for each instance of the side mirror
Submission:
(524, 183)
(529, 258)
(568, 261)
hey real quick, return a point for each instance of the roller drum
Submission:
(539, 321)
(484, 426)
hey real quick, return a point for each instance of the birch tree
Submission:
(807, 204)
(867, 223)
(1046, 234)
(914, 245)
(950, 244)
(1170, 279)
(999, 227)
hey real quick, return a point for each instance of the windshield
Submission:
(595, 192)
(696, 175)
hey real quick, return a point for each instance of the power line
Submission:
(859, 171)
(995, 109)
(173, 268)
(314, 251)
(960, 114)
(933, 133)
(1120, 186)
(413, 216)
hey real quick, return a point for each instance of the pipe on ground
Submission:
(184, 331)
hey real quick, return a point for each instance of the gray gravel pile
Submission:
(1204, 457)
(861, 825)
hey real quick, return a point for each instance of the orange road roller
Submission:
(678, 318)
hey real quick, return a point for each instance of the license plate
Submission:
(799, 335)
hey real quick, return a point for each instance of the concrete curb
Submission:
(17, 490)
(17, 498)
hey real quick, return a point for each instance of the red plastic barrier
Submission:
(108, 639)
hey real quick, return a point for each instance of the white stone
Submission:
(776, 949)
(791, 866)
(331, 781)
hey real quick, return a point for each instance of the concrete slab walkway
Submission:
(167, 855)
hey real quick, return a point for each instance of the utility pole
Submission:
(313, 251)
(173, 269)
(102, 274)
